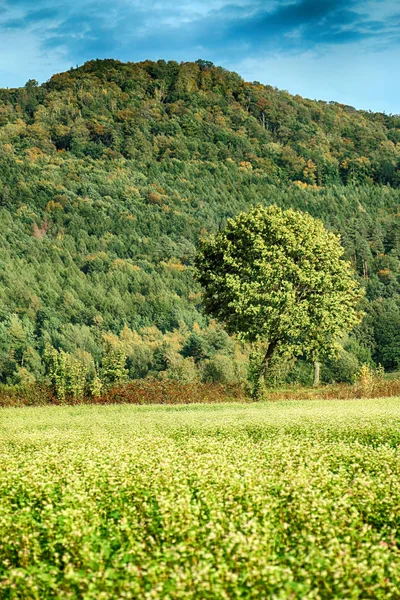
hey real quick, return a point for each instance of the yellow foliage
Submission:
(33, 153)
(111, 340)
(120, 263)
(151, 334)
(245, 166)
(383, 273)
(51, 206)
(174, 266)
(307, 186)
(155, 198)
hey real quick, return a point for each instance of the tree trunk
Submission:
(268, 355)
(316, 372)
(264, 366)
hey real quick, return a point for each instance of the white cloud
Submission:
(52, 37)
(347, 74)
(22, 58)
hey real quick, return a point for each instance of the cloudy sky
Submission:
(343, 50)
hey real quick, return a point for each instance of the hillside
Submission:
(110, 172)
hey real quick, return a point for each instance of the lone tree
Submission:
(277, 277)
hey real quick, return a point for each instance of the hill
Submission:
(110, 172)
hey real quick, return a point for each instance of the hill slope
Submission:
(110, 172)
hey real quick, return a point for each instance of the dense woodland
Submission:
(110, 173)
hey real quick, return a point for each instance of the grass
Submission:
(393, 375)
(279, 500)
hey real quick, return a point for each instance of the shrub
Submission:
(147, 391)
(219, 369)
(341, 370)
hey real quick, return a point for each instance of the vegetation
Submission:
(297, 500)
(111, 172)
(369, 383)
(276, 277)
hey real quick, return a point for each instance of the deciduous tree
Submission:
(277, 277)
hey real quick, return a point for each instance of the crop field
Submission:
(279, 500)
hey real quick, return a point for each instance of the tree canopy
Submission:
(277, 276)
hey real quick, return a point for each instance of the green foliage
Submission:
(301, 373)
(344, 368)
(301, 499)
(219, 369)
(277, 277)
(68, 373)
(113, 370)
(111, 172)
(96, 386)
(386, 315)
(183, 370)
(57, 368)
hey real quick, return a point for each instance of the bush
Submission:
(301, 373)
(182, 369)
(147, 391)
(341, 370)
(219, 369)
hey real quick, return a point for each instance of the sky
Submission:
(342, 50)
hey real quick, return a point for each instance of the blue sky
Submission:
(343, 50)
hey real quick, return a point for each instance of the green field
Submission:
(279, 500)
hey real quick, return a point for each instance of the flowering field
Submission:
(280, 500)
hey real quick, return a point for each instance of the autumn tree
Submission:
(277, 278)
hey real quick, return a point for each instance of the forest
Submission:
(109, 175)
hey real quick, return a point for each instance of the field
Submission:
(278, 500)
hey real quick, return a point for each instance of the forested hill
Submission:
(194, 111)
(110, 172)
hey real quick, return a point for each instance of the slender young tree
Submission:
(277, 277)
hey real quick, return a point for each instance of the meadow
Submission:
(277, 500)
